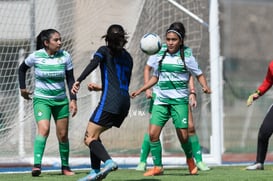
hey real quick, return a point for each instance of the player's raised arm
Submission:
(146, 86)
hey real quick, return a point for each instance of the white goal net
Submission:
(81, 24)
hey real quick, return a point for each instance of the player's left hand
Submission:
(75, 87)
(26, 94)
(251, 98)
(192, 100)
(135, 93)
(73, 107)
(206, 90)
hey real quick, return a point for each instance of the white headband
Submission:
(176, 33)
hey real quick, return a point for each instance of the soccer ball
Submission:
(150, 43)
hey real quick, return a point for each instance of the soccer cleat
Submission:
(154, 171)
(141, 166)
(255, 166)
(110, 166)
(90, 177)
(67, 171)
(192, 167)
(36, 171)
(202, 166)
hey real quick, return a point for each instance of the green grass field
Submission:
(223, 173)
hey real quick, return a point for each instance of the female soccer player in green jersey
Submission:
(150, 94)
(171, 76)
(193, 138)
(52, 66)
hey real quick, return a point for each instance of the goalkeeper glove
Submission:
(252, 97)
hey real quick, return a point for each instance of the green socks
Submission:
(145, 148)
(196, 148)
(192, 148)
(64, 153)
(187, 149)
(156, 151)
(39, 147)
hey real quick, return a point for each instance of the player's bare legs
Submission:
(93, 132)
(97, 153)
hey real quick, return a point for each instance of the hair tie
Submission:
(176, 33)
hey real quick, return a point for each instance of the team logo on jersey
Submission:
(184, 120)
(179, 61)
(40, 113)
(43, 61)
(60, 60)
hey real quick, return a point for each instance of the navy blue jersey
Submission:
(115, 76)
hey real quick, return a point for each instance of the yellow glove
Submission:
(252, 97)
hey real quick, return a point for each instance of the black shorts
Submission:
(106, 119)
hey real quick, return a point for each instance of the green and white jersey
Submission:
(49, 73)
(172, 85)
(152, 62)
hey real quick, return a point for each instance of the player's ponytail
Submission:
(160, 61)
(40, 40)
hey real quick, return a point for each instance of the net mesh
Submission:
(81, 24)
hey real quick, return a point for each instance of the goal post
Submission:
(194, 16)
(216, 81)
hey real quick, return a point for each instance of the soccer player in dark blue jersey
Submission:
(116, 68)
